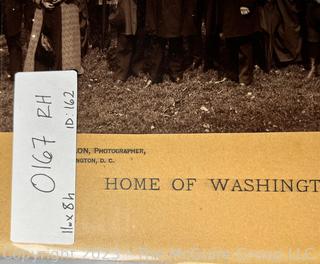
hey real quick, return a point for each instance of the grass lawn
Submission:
(279, 101)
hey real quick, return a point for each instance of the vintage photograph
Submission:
(171, 66)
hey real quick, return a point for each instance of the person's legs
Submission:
(246, 61)
(138, 56)
(12, 28)
(158, 47)
(175, 69)
(124, 56)
(212, 52)
(53, 25)
(188, 53)
(15, 54)
(29, 9)
(313, 23)
(230, 62)
(194, 51)
(197, 44)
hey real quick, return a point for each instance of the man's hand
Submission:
(47, 4)
(244, 10)
(46, 43)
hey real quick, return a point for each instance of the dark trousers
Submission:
(313, 30)
(15, 54)
(215, 53)
(14, 39)
(314, 50)
(166, 60)
(240, 62)
(313, 22)
(52, 28)
(130, 55)
(193, 51)
(99, 25)
(194, 54)
(212, 43)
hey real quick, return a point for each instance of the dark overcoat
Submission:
(212, 16)
(280, 20)
(13, 11)
(128, 10)
(171, 18)
(236, 25)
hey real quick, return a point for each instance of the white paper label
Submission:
(44, 157)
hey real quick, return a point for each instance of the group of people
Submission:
(168, 36)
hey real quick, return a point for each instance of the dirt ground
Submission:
(279, 101)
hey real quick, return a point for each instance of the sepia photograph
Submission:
(160, 131)
(171, 66)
